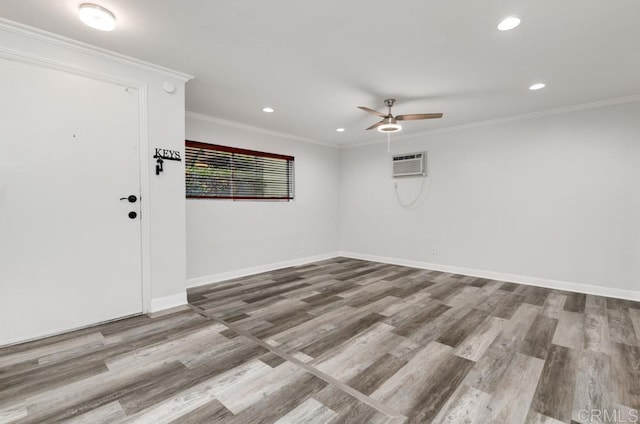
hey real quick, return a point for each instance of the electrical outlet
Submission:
(434, 251)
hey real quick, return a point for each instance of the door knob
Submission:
(133, 215)
(132, 198)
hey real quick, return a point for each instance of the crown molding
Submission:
(20, 56)
(71, 44)
(497, 121)
(259, 130)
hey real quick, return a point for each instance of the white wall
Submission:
(226, 237)
(554, 197)
(162, 196)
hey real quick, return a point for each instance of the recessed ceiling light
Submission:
(509, 23)
(340, 129)
(537, 86)
(97, 17)
(268, 109)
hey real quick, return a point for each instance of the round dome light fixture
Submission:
(340, 129)
(268, 109)
(509, 23)
(97, 17)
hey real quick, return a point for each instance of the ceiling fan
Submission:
(389, 124)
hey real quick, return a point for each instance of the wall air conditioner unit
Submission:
(410, 165)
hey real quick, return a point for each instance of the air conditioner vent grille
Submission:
(409, 164)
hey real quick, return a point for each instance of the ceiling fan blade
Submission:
(416, 116)
(375, 112)
(376, 125)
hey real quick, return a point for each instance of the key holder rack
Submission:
(165, 154)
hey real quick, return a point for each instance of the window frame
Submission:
(256, 153)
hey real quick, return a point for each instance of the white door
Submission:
(69, 150)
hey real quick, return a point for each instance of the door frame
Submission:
(143, 140)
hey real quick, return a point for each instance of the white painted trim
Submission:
(513, 278)
(70, 44)
(31, 59)
(46, 334)
(167, 302)
(259, 130)
(145, 196)
(497, 121)
(244, 272)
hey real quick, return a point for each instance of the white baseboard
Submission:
(166, 302)
(223, 276)
(51, 333)
(513, 278)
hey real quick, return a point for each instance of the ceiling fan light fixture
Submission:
(389, 122)
(97, 17)
(389, 128)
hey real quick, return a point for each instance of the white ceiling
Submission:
(315, 61)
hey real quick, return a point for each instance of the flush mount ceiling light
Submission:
(537, 86)
(97, 17)
(268, 110)
(509, 23)
(340, 129)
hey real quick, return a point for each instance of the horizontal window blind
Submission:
(222, 172)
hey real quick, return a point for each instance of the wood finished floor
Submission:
(340, 341)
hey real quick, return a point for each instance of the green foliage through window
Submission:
(222, 172)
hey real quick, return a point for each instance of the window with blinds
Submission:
(222, 172)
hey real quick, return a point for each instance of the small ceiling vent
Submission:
(410, 165)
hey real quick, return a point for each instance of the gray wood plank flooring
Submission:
(340, 341)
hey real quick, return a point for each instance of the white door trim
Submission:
(145, 228)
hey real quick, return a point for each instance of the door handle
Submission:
(132, 198)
